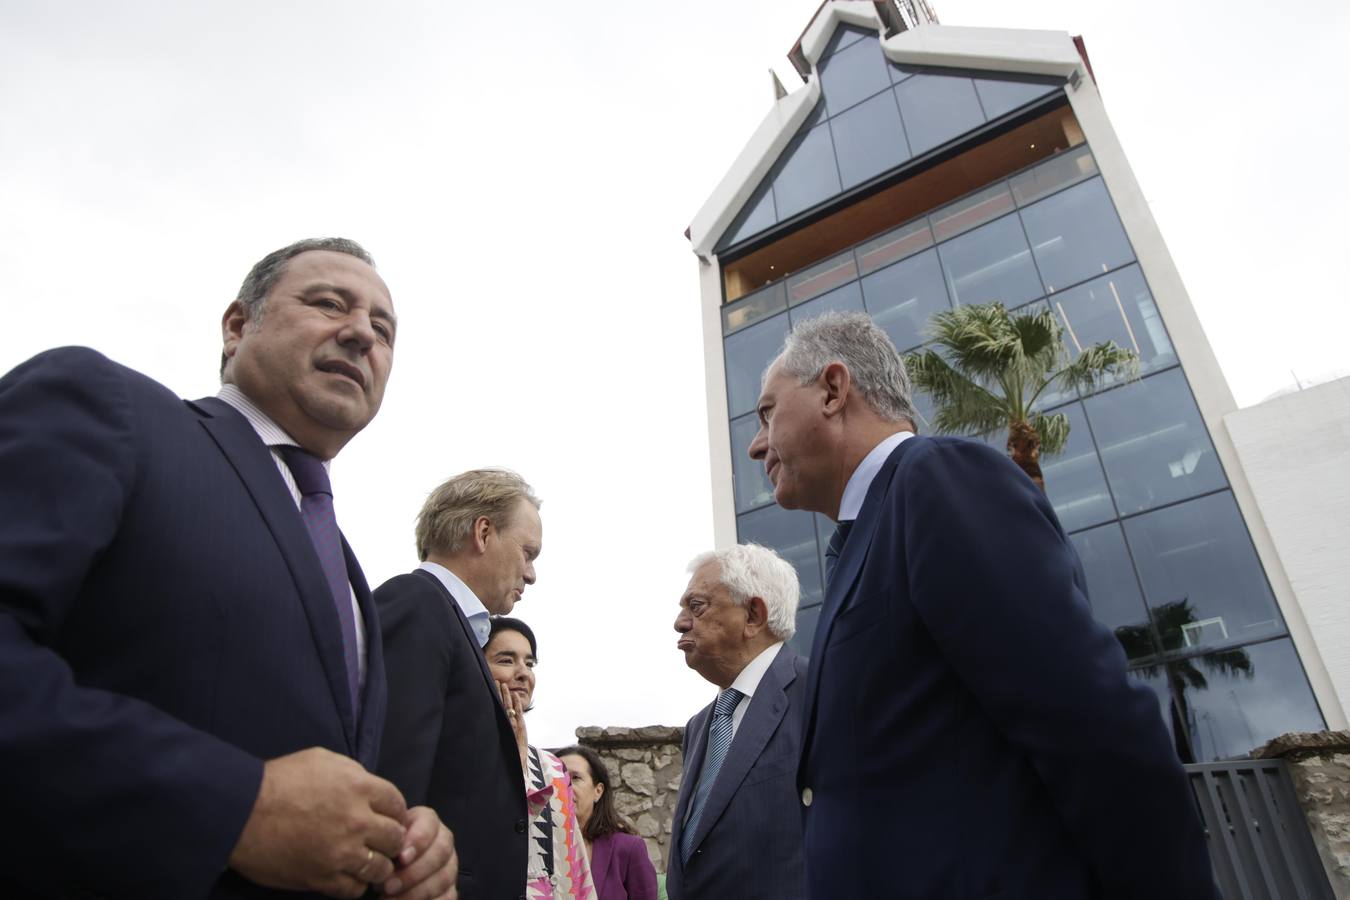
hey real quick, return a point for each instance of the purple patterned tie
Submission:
(316, 505)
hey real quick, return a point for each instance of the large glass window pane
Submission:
(845, 299)
(753, 308)
(808, 176)
(748, 353)
(1201, 575)
(1234, 701)
(964, 214)
(792, 534)
(844, 36)
(894, 245)
(757, 215)
(1074, 480)
(924, 405)
(1059, 171)
(752, 488)
(999, 97)
(902, 296)
(853, 74)
(1153, 443)
(991, 263)
(1076, 234)
(937, 108)
(1113, 589)
(822, 278)
(1116, 307)
(807, 620)
(868, 139)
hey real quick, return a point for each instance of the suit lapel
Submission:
(375, 699)
(468, 633)
(839, 593)
(698, 748)
(257, 469)
(761, 720)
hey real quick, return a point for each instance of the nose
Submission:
(529, 573)
(357, 331)
(760, 445)
(683, 621)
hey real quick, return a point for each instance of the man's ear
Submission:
(482, 528)
(232, 328)
(756, 616)
(837, 382)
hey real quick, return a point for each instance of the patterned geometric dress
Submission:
(558, 869)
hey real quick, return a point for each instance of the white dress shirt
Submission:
(855, 492)
(480, 620)
(274, 436)
(749, 680)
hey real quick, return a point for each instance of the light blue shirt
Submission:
(480, 620)
(855, 492)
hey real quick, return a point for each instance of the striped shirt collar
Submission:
(268, 431)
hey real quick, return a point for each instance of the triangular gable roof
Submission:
(997, 51)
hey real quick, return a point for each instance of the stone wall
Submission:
(1319, 765)
(644, 770)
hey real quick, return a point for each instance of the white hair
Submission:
(855, 340)
(749, 570)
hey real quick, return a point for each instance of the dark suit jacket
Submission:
(448, 743)
(165, 626)
(621, 868)
(970, 730)
(749, 839)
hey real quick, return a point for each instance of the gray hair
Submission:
(446, 520)
(749, 570)
(267, 271)
(855, 340)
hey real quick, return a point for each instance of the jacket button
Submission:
(520, 827)
(806, 796)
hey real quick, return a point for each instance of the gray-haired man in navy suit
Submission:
(737, 829)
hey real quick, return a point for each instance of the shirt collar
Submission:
(474, 610)
(268, 431)
(855, 492)
(754, 670)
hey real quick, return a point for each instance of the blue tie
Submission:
(719, 741)
(835, 547)
(316, 506)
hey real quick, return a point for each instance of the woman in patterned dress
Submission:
(558, 866)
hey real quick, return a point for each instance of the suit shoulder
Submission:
(957, 463)
(84, 366)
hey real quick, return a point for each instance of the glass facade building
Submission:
(908, 190)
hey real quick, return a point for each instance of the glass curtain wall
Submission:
(1170, 565)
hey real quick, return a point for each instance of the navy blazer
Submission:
(749, 839)
(970, 730)
(448, 743)
(165, 627)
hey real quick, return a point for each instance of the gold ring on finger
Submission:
(370, 857)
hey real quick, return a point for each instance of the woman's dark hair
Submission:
(605, 819)
(506, 623)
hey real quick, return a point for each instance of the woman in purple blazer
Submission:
(620, 866)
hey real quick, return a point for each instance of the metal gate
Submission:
(1257, 834)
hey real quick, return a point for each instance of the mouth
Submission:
(519, 691)
(345, 369)
(771, 472)
(684, 644)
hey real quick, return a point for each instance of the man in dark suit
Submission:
(449, 741)
(969, 730)
(737, 828)
(191, 682)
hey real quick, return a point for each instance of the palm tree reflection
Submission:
(1170, 621)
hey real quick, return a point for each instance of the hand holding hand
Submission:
(428, 865)
(321, 823)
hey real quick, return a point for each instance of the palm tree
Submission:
(1001, 364)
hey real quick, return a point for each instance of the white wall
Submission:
(1295, 451)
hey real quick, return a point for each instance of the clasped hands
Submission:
(323, 823)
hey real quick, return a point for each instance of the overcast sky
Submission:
(523, 174)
